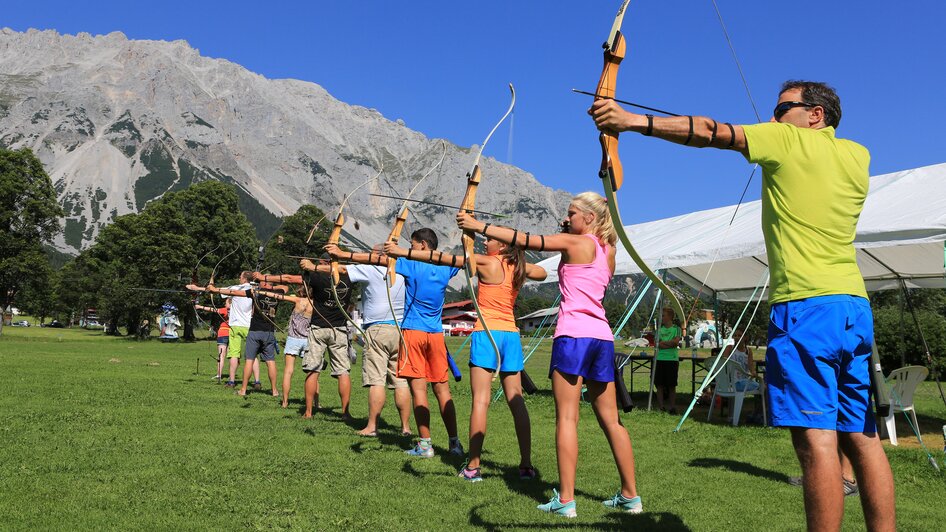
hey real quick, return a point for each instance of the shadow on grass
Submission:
(663, 521)
(537, 489)
(739, 467)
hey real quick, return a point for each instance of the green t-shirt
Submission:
(665, 334)
(813, 189)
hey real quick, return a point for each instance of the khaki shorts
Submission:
(379, 362)
(335, 340)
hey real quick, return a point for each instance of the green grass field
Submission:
(108, 433)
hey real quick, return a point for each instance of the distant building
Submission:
(534, 320)
(459, 318)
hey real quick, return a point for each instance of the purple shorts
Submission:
(589, 358)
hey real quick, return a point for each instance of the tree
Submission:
(898, 341)
(29, 216)
(40, 297)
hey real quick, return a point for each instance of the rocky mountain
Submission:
(120, 122)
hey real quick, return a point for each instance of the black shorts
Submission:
(665, 373)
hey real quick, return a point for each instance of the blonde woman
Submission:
(583, 348)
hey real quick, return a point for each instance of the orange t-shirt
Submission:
(498, 300)
(224, 329)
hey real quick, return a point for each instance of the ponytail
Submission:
(602, 227)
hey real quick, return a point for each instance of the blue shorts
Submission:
(818, 364)
(296, 346)
(590, 358)
(262, 343)
(223, 340)
(482, 354)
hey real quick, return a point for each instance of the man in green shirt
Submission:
(813, 189)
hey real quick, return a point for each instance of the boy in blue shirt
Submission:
(423, 353)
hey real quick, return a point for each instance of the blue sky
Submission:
(443, 68)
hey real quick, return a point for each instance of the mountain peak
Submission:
(119, 122)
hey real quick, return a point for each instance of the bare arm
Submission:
(214, 290)
(669, 344)
(321, 267)
(279, 296)
(431, 256)
(371, 257)
(278, 278)
(535, 273)
(705, 133)
(575, 249)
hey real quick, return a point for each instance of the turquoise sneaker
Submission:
(555, 506)
(620, 502)
(422, 450)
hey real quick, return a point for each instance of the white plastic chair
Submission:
(726, 387)
(903, 383)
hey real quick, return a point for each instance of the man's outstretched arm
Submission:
(694, 131)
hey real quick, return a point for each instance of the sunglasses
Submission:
(784, 107)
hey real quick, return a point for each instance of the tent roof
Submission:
(900, 235)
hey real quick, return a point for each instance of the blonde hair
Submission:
(602, 227)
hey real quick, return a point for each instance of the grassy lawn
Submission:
(109, 433)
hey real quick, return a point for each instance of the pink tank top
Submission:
(581, 313)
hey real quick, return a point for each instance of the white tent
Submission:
(900, 235)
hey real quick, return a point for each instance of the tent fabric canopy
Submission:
(900, 236)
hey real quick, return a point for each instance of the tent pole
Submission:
(653, 362)
(902, 341)
(926, 347)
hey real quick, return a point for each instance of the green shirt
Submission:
(665, 334)
(813, 189)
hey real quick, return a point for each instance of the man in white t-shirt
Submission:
(241, 312)
(379, 362)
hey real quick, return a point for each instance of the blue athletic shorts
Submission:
(818, 363)
(590, 358)
(223, 340)
(482, 354)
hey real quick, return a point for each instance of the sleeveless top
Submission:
(299, 325)
(497, 301)
(581, 313)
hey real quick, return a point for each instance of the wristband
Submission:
(690, 134)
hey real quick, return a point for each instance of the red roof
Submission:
(460, 304)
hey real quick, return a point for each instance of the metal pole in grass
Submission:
(711, 373)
